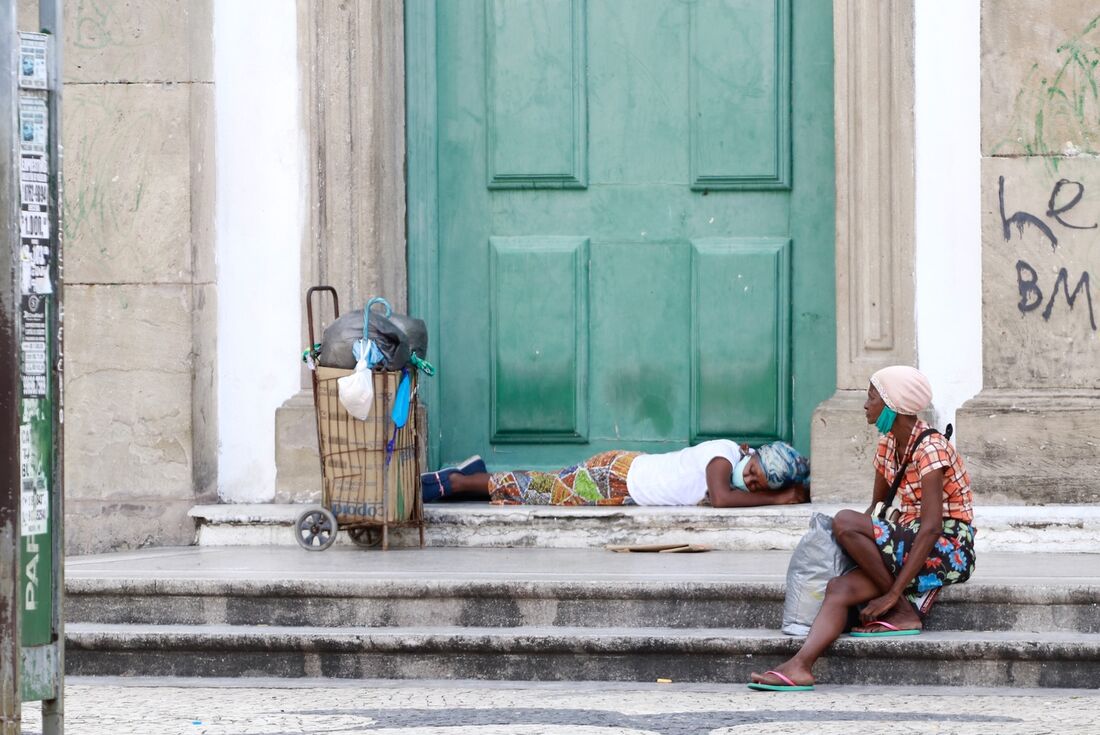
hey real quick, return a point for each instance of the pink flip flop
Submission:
(892, 631)
(788, 686)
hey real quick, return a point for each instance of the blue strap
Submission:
(400, 412)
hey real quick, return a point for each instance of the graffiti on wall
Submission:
(1057, 111)
(1057, 218)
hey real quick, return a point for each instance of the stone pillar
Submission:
(873, 44)
(140, 443)
(352, 57)
(1033, 434)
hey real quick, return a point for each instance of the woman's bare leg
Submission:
(468, 487)
(853, 588)
(855, 532)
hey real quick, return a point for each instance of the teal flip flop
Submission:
(790, 686)
(892, 631)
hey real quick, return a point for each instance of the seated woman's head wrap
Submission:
(904, 389)
(783, 465)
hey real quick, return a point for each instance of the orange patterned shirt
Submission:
(934, 453)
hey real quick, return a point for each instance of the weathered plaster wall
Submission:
(875, 240)
(261, 211)
(139, 273)
(947, 124)
(1034, 431)
(352, 61)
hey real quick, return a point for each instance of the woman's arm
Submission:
(724, 496)
(931, 526)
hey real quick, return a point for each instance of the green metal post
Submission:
(10, 480)
(38, 357)
(50, 20)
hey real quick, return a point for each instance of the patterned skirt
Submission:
(600, 480)
(950, 561)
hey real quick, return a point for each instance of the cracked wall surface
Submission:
(139, 279)
(1040, 230)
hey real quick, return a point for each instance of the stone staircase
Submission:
(1008, 528)
(1025, 619)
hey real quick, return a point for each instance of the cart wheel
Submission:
(365, 537)
(315, 529)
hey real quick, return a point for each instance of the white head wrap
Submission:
(904, 389)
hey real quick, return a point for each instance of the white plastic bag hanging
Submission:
(357, 390)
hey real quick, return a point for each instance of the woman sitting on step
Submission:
(902, 565)
(730, 476)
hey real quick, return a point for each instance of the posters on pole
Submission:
(34, 199)
(36, 346)
(33, 72)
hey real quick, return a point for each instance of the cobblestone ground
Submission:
(279, 707)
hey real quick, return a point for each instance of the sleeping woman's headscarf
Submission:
(783, 465)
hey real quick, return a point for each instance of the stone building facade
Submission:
(966, 257)
(140, 278)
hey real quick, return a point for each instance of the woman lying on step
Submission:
(902, 565)
(728, 475)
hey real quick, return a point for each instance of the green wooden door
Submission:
(621, 222)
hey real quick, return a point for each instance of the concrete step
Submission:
(559, 653)
(391, 603)
(531, 587)
(1022, 620)
(1071, 529)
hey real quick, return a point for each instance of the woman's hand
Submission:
(878, 607)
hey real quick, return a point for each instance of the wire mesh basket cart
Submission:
(370, 470)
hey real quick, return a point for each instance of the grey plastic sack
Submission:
(396, 335)
(817, 559)
(338, 338)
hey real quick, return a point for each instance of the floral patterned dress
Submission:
(951, 559)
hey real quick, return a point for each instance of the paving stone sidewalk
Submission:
(281, 707)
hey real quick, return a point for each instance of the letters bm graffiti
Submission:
(1027, 279)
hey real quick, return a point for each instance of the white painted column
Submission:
(259, 223)
(948, 200)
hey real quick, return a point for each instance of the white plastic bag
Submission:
(357, 390)
(817, 559)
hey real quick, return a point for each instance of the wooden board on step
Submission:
(657, 548)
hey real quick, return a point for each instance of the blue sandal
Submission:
(436, 485)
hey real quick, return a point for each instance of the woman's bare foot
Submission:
(791, 669)
(902, 616)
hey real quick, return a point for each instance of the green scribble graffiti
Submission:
(1058, 113)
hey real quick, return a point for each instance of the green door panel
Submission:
(741, 317)
(620, 222)
(740, 94)
(536, 93)
(539, 378)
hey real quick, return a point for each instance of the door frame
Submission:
(422, 194)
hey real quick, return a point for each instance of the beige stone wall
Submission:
(139, 272)
(1033, 434)
(352, 57)
(875, 200)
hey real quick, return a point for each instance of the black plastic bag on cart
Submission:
(398, 336)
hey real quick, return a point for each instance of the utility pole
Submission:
(31, 378)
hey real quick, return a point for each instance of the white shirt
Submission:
(677, 478)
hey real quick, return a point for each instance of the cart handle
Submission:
(309, 308)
